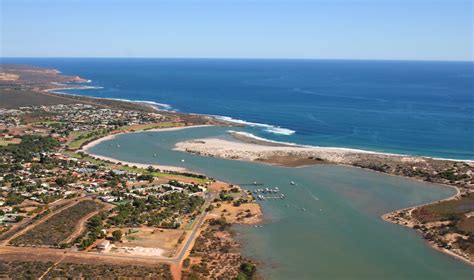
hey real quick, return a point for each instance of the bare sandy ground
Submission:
(256, 152)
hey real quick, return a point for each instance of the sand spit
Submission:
(270, 153)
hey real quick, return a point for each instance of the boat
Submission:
(292, 182)
(182, 160)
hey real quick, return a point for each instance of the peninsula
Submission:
(159, 221)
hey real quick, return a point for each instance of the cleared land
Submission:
(167, 240)
(59, 227)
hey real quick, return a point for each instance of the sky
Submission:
(318, 29)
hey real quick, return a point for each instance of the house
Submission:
(103, 245)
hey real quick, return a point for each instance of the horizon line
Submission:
(227, 58)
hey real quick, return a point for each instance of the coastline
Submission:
(412, 223)
(93, 143)
(252, 139)
(338, 153)
(242, 136)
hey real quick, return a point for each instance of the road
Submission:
(41, 220)
(179, 256)
(35, 253)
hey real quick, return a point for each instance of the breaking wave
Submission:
(160, 106)
(266, 127)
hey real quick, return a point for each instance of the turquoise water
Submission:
(407, 107)
(339, 236)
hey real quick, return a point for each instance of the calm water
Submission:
(422, 108)
(339, 236)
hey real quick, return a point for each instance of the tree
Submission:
(117, 235)
(248, 269)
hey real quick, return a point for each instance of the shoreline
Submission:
(139, 165)
(253, 139)
(242, 136)
(390, 218)
(269, 143)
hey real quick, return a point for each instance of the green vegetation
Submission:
(58, 227)
(246, 271)
(34, 269)
(30, 146)
(451, 175)
(163, 212)
(94, 228)
(22, 270)
(117, 235)
(451, 210)
(200, 179)
(84, 138)
(8, 142)
(454, 214)
(144, 127)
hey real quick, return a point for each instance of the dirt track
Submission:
(41, 220)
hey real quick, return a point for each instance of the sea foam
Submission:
(266, 127)
(160, 106)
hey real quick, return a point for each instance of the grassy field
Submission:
(8, 142)
(58, 227)
(148, 126)
(81, 138)
(135, 169)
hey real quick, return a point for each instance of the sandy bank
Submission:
(91, 144)
(278, 154)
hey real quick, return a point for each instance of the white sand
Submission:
(139, 165)
(247, 151)
(140, 251)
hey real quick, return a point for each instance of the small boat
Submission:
(154, 155)
(118, 146)
(254, 183)
(303, 209)
(292, 182)
(182, 160)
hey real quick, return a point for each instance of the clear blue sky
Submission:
(346, 29)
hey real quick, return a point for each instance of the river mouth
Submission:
(329, 219)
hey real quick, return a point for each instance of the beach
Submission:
(96, 142)
(315, 189)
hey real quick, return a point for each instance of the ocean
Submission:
(422, 108)
(404, 107)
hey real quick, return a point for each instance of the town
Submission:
(56, 197)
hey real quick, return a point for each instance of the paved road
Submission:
(52, 251)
